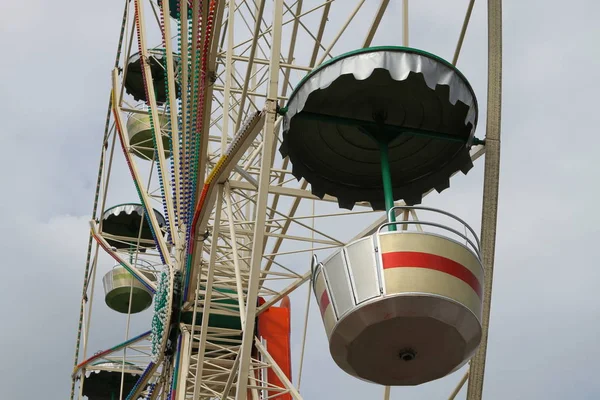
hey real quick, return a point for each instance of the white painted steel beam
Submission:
(490, 188)
(261, 206)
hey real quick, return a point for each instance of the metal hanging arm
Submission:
(386, 176)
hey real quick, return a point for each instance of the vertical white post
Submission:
(186, 343)
(228, 76)
(261, 205)
(208, 294)
(490, 187)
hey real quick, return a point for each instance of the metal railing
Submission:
(473, 243)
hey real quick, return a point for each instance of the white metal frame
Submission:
(253, 221)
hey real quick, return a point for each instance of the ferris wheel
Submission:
(272, 151)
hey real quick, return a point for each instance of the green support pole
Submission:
(386, 176)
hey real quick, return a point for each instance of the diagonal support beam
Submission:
(256, 36)
(375, 24)
(280, 374)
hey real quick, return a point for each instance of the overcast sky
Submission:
(54, 87)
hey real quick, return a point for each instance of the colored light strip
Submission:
(135, 177)
(102, 244)
(112, 349)
(176, 371)
(143, 379)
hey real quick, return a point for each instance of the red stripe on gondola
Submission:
(412, 259)
(324, 302)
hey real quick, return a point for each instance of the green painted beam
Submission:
(386, 176)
